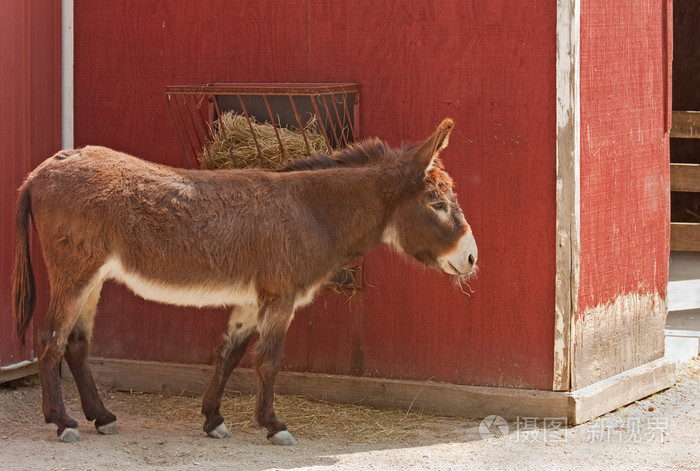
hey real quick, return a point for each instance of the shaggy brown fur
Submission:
(258, 240)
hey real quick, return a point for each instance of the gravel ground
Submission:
(163, 433)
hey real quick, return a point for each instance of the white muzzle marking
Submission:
(462, 260)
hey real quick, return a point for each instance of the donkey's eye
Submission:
(439, 206)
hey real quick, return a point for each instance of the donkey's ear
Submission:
(428, 152)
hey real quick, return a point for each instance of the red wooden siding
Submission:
(489, 65)
(624, 151)
(30, 131)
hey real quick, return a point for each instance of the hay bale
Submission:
(232, 144)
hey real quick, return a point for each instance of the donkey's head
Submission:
(428, 223)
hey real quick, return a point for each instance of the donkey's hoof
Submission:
(283, 438)
(108, 429)
(220, 431)
(70, 435)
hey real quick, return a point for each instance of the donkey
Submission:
(260, 242)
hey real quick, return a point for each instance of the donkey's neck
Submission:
(354, 204)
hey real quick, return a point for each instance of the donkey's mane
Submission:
(358, 154)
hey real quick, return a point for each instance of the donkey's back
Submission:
(176, 236)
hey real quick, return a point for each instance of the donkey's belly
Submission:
(197, 295)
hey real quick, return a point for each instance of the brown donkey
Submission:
(261, 242)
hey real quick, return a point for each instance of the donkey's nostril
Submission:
(471, 259)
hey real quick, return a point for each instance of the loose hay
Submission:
(232, 144)
(306, 418)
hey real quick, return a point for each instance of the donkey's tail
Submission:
(23, 289)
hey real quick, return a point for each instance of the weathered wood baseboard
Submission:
(429, 397)
(20, 370)
(622, 389)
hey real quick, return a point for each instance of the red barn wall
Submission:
(489, 65)
(624, 187)
(30, 131)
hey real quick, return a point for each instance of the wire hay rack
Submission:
(327, 110)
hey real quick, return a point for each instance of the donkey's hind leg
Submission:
(52, 340)
(274, 319)
(240, 328)
(76, 356)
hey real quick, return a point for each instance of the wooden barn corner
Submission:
(560, 156)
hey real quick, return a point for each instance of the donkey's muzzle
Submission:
(462, 260)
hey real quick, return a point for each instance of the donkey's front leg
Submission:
(273, 321)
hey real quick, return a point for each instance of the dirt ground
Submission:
(164, 433)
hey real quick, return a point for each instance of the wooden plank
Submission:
(686, 124)
(624, 191)
(685, 177)
(568, 188)
(617, 336)
(685, 236)
(622, 389)
(429, 397)
(410, 323)
(20, 370)
(14, 151)
(30, 129)
(668, 63)
(426, 396)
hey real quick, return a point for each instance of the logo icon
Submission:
(493, 426)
